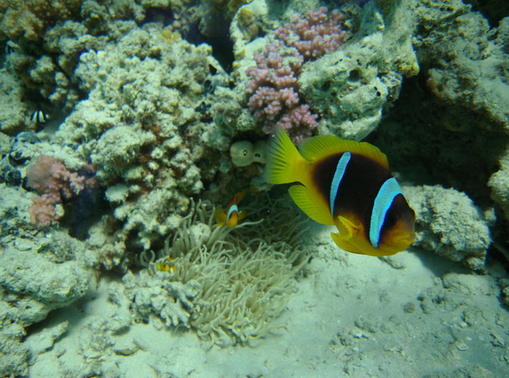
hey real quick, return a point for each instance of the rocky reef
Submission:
(120, 120)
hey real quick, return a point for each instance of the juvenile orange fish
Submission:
(232, 215)
(166, 265)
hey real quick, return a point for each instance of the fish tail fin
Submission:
(284, 162)
(220, 217)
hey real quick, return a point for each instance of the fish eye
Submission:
(244, 152)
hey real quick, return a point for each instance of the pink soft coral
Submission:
(50, 177)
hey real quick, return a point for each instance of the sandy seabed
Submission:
(410, 315)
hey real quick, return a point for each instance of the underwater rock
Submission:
(350, 86)
(14, 113)
(40, 272)
(499, 184)
(503, 34)
(38, 277)
(466, 65)
(448, 223)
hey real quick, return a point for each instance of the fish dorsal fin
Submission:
(319, 147)
(240, 196)
(304, 199)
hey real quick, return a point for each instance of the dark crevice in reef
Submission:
(222, 45)
(493, 10)
(432, 142)
(163, 15)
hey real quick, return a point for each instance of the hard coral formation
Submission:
(351, 87)
(449, 223)
(273, 89)
(30, 18)
(145, 124)
(13, 112)
(51, 178)
(314, 36)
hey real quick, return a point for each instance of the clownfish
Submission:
(166, 265)
(232, 216)
(347, 184)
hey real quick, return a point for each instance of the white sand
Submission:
(347, 318)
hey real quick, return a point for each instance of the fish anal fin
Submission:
(305, 199)
(322, 146)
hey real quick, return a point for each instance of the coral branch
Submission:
(273, 90)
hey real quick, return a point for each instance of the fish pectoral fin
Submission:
(220, 217)
(309, 204)
(344, 244)
(346, 227)
(242, 215)
(348, 231)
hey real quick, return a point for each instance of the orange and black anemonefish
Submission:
(166, 265)
(232, 215)
(347, 184)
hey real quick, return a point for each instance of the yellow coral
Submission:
(247, 23)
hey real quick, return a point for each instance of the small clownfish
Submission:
(166, 265)
(347, 184)
(232, 216)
